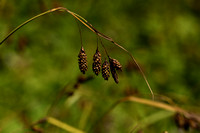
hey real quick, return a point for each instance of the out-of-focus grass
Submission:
(41, 58)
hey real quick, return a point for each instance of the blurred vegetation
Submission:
(39, 61)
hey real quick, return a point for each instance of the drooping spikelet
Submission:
(82, 61)
(105, 70)
(96, 66)
(114, 75)
(113, 72)
(115, 65)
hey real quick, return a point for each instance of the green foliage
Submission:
(41, 58)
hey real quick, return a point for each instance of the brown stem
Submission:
(104, 47)
(79, 29)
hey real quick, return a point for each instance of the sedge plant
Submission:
(108, 66)
(114, 64)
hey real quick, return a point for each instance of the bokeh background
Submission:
(40, 59)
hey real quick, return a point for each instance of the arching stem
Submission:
(26, 22)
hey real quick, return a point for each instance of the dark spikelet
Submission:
(113, 72)
(96, 66)
(105, 70)
(82, 61)
(116, 64)
(181, 121)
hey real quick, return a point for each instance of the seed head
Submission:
(105, 70)
(96, 66)
(181, 121)
(113, 72)
(115, 63)
(82, 61)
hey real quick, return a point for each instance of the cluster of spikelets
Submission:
(106, 68)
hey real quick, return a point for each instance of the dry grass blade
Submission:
(152, 103)
(62, 125)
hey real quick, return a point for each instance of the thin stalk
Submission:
(26, 22)
(104, 47)
(97, 42)
(79, 29)
(82, 21)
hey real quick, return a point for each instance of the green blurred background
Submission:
(41, 58)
